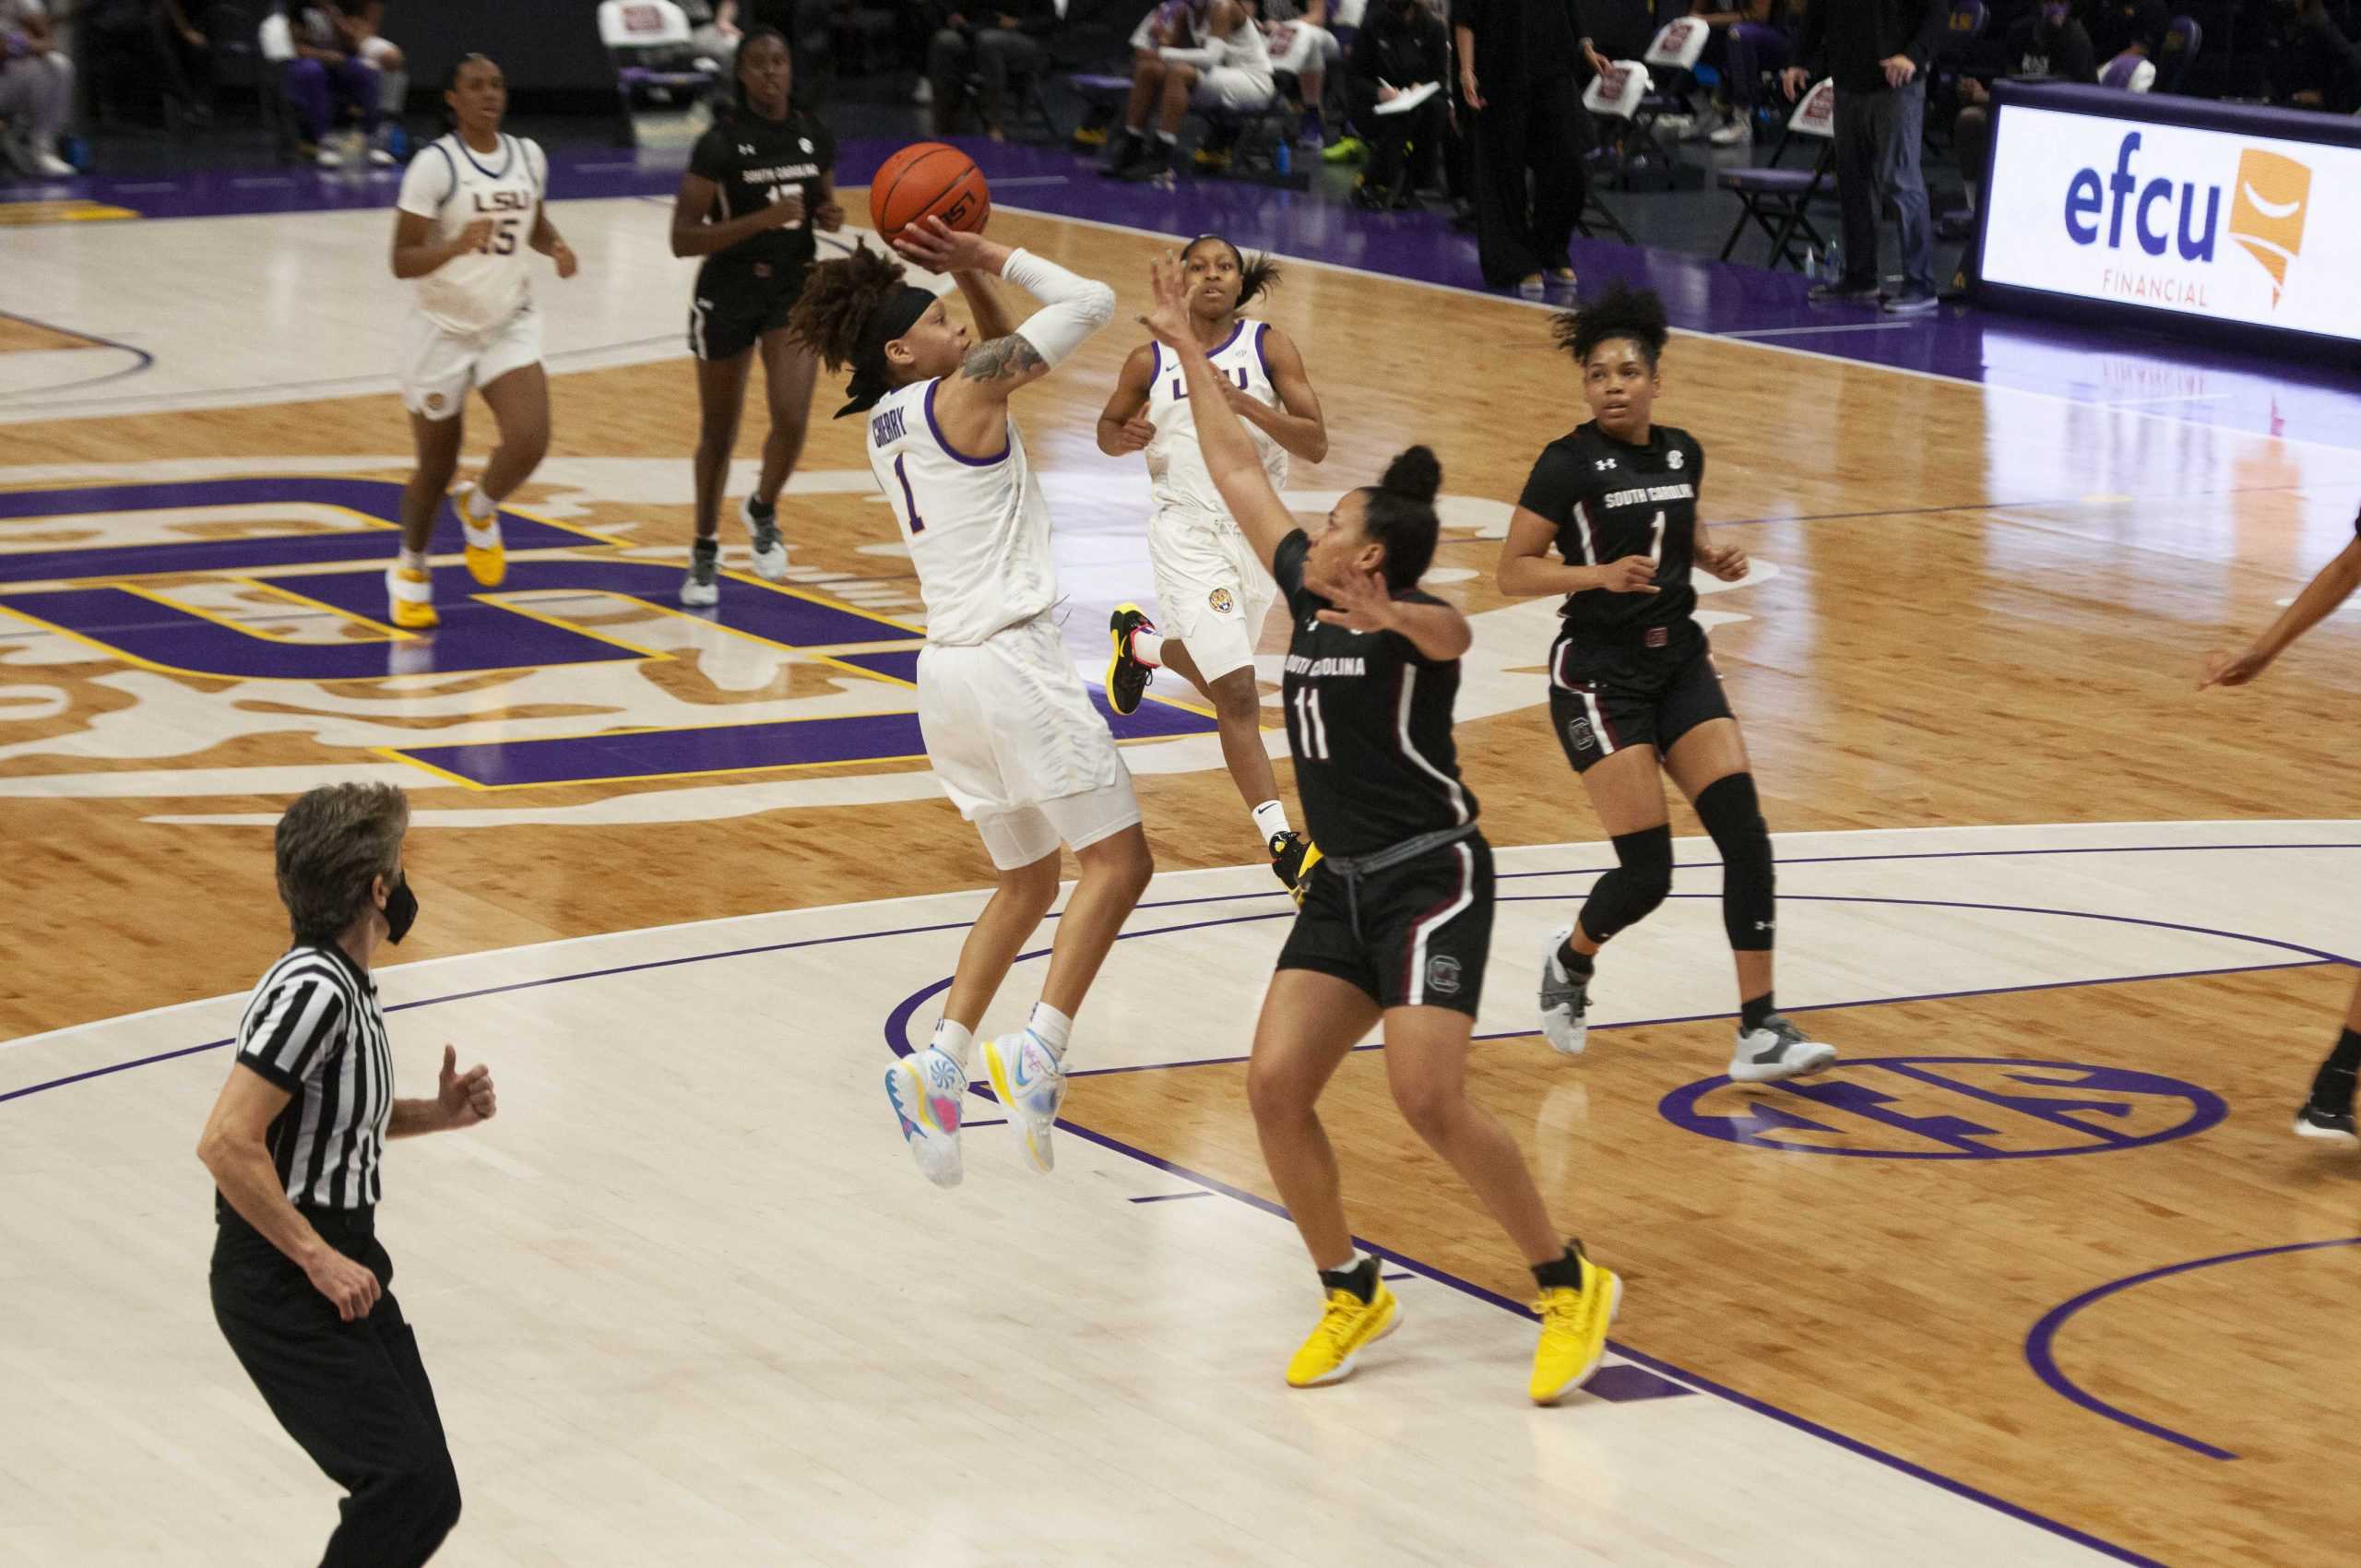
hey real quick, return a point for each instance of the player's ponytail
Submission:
(1398, 512)
(840, 299)
(1621, 311)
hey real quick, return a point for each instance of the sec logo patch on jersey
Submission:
(1220, 601)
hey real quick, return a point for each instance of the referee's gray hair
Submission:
(331, 844)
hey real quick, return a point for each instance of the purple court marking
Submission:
(1765, 1118)
(2154, 377)
(142, 358)
(2041, 1342)
(1170, 1197)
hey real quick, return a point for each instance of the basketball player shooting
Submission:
(1006, 721)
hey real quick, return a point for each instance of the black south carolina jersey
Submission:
(1369, 721)
(1609, 499)
(755, 160)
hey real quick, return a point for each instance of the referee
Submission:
(294, 1144)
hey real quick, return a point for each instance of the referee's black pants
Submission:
(354, 1395)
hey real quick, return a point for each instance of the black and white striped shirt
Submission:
(313, 1027)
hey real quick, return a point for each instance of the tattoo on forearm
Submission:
(1002, 357)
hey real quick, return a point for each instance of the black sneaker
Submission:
(1912, 302)
(1127, 675)
(1156, 164)
(1292, 858)
(1844, 290)
(2318, 1121)
(1130, 147)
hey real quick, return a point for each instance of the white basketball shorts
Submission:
(1017, 746)
(1213, 594)
(439, 366)
(1231, 88)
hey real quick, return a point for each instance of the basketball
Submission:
(928, 180)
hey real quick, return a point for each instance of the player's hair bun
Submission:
(1415, 475)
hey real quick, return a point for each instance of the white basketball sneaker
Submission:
(1028, 1078)
(929, 1090)
(762, 532)
(1565, 1001)
(1776, 1051)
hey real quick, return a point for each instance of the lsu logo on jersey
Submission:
(2267, 216)
(1220, 601)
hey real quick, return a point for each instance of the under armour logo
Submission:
(745, 150)
(1604, 465)
(1765, 925)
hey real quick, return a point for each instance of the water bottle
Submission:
(1834, 263)
(1282, 159)
(1812, 269)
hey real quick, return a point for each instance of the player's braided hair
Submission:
(1621, 312)
(1257, 275)
(1398, 512)
(839, 300)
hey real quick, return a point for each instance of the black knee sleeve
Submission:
(1627, 894)
(1730, 813)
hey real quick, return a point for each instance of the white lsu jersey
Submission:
(451, 184)
(1177, 474)
(977, 528)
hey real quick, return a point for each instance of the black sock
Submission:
(1582, 966)
(1564, 1274)
(2333, 1087)
(762, 513)
(1753, 1016)
(707, 547)
(1360, 1278)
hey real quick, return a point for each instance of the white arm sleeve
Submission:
(1072, 307)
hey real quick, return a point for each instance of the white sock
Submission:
(1149, 649)
(476, 498)
(1167, 138)
(413, 560)
(1052, 1027)
(954, 1041)
(1270, 820)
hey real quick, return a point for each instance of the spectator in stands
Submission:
(330, 81)
(2049, 46)
(1877, 50)
(1011, 41)
(1749, 37)
(1401, 49)
(360, 20)
(138, 43)
(36, 89)
(2311, 58)
(2126, 27)
(1517, 66)
(714, 33)
(1227, 69)
(1303, 51)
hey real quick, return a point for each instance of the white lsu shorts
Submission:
(440, 365)
(1231, 88)
(1017, 746)
(1214, 594)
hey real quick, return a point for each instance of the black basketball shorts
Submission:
(1412, 935)
(732, 307)
(1607, 700)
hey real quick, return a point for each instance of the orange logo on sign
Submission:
(2268, 216)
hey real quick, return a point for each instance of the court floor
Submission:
(2036, 1276)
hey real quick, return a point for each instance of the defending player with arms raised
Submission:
(469, 209)
(1214, 594)
(2327, 1111)
(1634, 692)
(1007, 722)
(1397, 916)
(758, 184)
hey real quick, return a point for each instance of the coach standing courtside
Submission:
(300, 1282)
(1878, 50)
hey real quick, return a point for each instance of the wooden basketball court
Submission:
(2079, 931)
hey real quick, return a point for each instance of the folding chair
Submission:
(656, 68)
(1616, 97)
(2184, 38)
(1671, 59)
(1778, 201)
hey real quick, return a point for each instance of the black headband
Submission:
(870, 376)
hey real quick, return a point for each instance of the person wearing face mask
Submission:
(2049, 44)
(301, 1287)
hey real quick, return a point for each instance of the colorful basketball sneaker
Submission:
(1032, 1086)
(929, 1090)
(1574, 1331)
(1347, 1326)
(487, 561)
(1127, 674)
(410, 596)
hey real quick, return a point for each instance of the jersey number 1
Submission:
(1311, 731)
(909, 502)
(1655, 540)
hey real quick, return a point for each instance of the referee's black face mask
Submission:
(401, 910)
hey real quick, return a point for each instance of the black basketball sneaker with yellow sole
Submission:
(1127, 673)
(1292, 858)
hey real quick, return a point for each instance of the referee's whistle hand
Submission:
(466, 1097)
(352, 1286)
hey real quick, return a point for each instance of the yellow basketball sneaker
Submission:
(487, 561)
(1348, 1326)
(412, 595)
(1573, 1329)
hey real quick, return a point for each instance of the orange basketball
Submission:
(928, 180)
